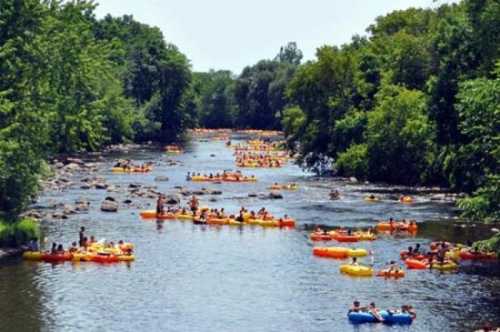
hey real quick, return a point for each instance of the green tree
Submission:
(290, 54)
(216, 106)
(23, 122)
(399, 137)
(478, 105)
(324, 90)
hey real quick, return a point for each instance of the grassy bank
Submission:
(19, 232)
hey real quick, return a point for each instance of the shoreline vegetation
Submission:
(413, 102)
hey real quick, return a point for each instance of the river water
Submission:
(205, 278)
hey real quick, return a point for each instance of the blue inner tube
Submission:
(366, 317)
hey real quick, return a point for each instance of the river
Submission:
(204, 278)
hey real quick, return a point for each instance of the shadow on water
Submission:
(20, 297)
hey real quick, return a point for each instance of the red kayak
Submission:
(477, 256)
(54, 258)
(416, 264)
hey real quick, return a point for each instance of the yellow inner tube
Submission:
(445, 267)
(357, 252)
(364, 236)
(356, 270)
(78, 257)
(453, 254)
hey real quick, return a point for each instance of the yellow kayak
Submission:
(126, 258)
(184, 216)
(32, 255)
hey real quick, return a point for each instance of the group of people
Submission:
(224, 176)
(402, 225)
(372, 309)
(334, 194)
(259, 145)
(243, 215)
(84, 243)
(437, 253)
(258, 160)
(161, 201)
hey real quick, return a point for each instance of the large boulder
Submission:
(100, 185)
(75, 161)
(275, 195)
(109, 205)
(161, 178)
(72, 167)
(172, 199)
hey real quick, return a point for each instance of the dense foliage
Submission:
(254, 99)
(415, 102)
(70, 83)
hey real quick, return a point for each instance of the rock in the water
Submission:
(72, 167)
(172, 199)
(59, 215)
(75, 161)
(100, 185)
(68, 209)
(252, 195)
(275, 195)
(109, 198)
(216, 192)
(82, 205)
(212, 199)
(352, 179)
(32, 214)
(109, 206)
(85, 186)
(134, 185)
(127, 201)
(161, 178)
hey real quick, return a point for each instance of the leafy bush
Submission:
(20, 232)
(491, 244)
(483, 204)
(354, 161)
